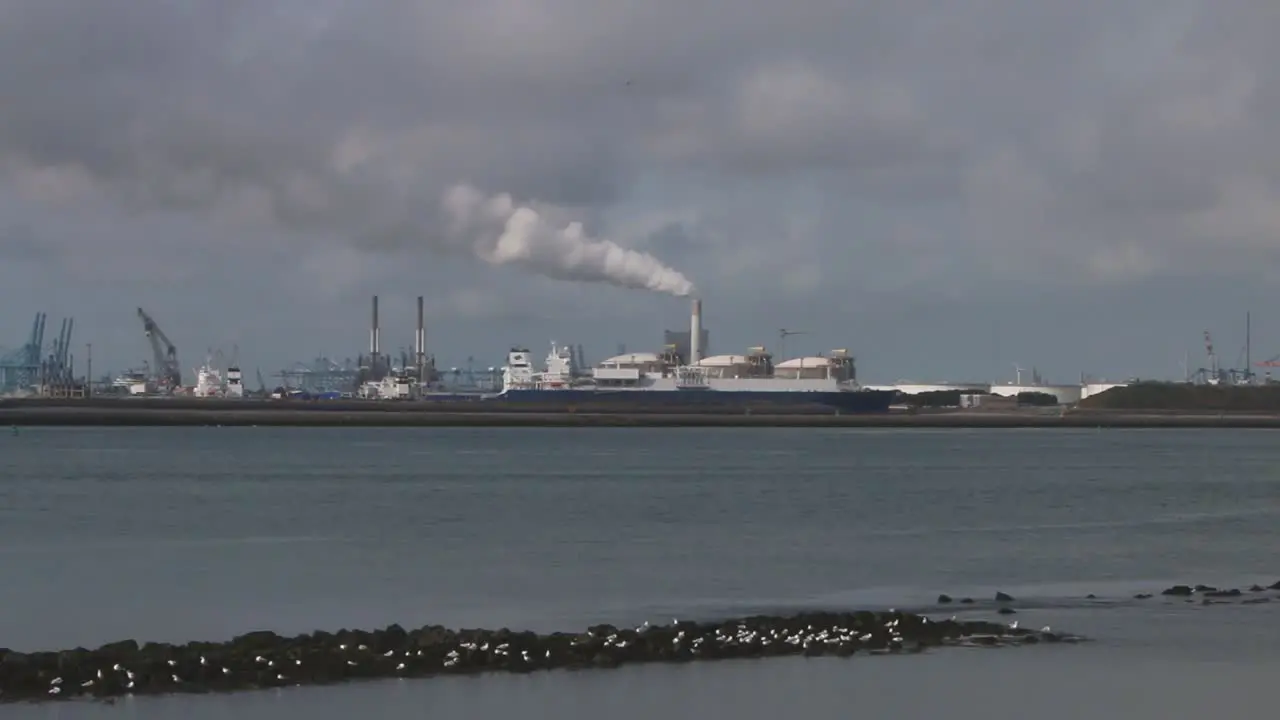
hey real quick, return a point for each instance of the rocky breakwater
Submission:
(265, 659)
(1211, 595)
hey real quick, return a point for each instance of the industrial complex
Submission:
(43, 365)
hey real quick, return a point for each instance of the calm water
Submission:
(179, 534)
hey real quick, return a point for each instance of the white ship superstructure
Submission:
(208, 381)
(133, 382)
(235, 383)
(397, 385)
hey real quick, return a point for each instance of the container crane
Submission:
(168, 373)
(783, 334)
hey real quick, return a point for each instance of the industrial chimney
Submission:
(695, 333)
(420, 343)
(374, 347)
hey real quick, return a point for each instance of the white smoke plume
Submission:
(501, 232)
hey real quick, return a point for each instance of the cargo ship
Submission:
(668, 380)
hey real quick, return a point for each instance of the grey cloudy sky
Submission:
(946, 187)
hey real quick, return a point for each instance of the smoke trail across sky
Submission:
(501, 232)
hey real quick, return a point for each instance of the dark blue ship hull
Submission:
(859, 401)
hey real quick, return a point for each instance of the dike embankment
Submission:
(211, 412)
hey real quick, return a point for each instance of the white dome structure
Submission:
(803, 362)
(812, 367)
(638, 358)
(720, 361)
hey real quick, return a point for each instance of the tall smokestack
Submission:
(695, 333)
(420, 342)
(373, 333)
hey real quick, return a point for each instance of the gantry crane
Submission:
(168, 374)
(783, 334)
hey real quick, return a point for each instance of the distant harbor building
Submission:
(680, 340)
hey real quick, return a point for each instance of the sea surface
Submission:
(204, 533)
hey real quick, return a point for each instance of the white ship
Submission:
(235, 383)
(668, 379)
(208, 381)
(133, 382)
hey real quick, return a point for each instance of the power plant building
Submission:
(680, 340)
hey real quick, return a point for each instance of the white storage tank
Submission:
(1098, 387)
(811, 368)
(631, 360)
(1066, 394)
(726, 366)
(913, 388)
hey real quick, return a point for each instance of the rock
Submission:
(263, 659)
(1223, 593)
(944, 599)
(1007, 611)
(966, 601)
(1256, 588)
(1143, 596)
(1274, 586)
(1178, 591)
(1001, 597)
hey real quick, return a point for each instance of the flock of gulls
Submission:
(264, 659)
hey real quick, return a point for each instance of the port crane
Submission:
(783, 334)
(168, 373)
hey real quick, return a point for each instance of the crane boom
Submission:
(168, 372)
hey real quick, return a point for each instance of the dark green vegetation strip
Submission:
(1155, 396)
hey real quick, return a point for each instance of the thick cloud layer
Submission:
(1117, 136)
(806, 145)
